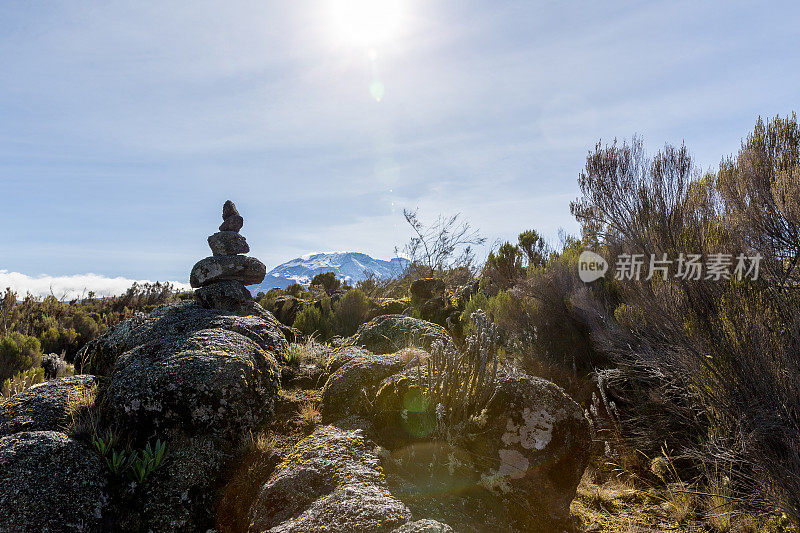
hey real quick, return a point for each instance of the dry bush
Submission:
(713, 368)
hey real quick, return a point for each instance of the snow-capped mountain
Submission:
(348, 266)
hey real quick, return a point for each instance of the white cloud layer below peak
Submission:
(69, 287)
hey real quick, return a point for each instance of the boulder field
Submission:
(161, 432)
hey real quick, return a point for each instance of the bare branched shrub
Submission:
(446, 244)
(711, 366)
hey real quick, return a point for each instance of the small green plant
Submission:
(137, 464)
(104, 443)
(117, 462)
(142, 464)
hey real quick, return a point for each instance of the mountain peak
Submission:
(347, 266)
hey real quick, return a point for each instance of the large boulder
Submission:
(50, 483)
(179, 496)
(347, 388)
(210, 382)
(424, 526)
(285, 308)
(46, 406)
(331, 481)
(246, 269)
(176, 320)
(424, 289)
(343, 355)
(390, 333)
(535, 443)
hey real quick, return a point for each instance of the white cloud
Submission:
(70, 286)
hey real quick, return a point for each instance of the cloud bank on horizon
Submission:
(68, 287)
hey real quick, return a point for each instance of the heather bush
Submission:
(350, 312)
(316, 320)
(708, 367)
(18, 353)
(328, 281)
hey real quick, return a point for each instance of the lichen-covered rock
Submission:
(342, 395)
(50, 483)
(331, 481)
(228, 243)
(226, 295)
(343, 355)
(285, 308)
(46, 406)
(179, 496)
(175, 320)
(424, 289)
(246, 269)
(390, 333)
(209, 382)
(424, 526)
(535, 444)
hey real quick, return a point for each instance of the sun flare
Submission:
(366, 23)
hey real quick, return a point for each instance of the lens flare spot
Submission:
(377, 90)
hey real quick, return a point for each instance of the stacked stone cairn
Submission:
(220, 280)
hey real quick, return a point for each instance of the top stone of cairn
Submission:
(231, 219)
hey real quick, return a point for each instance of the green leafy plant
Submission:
(137, 464)
(142, 464)
(104, 443)
(118, 461)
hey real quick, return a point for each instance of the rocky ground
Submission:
(263, 435)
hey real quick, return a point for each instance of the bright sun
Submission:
(367, 23)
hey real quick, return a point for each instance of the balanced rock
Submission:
(228, 210)
(232, 223)
(231, 219)
(226, 295)
(228, 243)
(247, 270)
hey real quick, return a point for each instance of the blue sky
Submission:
(125, 125)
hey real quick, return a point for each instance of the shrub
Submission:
(316, 320)
(712, 369)
(55, 366)
(21, 381)
(18, 353)
(328, 280)
(295, 289)
(459, 384)
(350, 312)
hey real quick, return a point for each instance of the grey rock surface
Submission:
(536, 444)
(175, 320)
(331, 481)
(390, 333)
(46, 406)
(227, 295)
(232, 223)
(342, 395)
(424, 526)
(228, 243)
(50, 483)
(212, 382)
(229, 209)
(248, 270)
